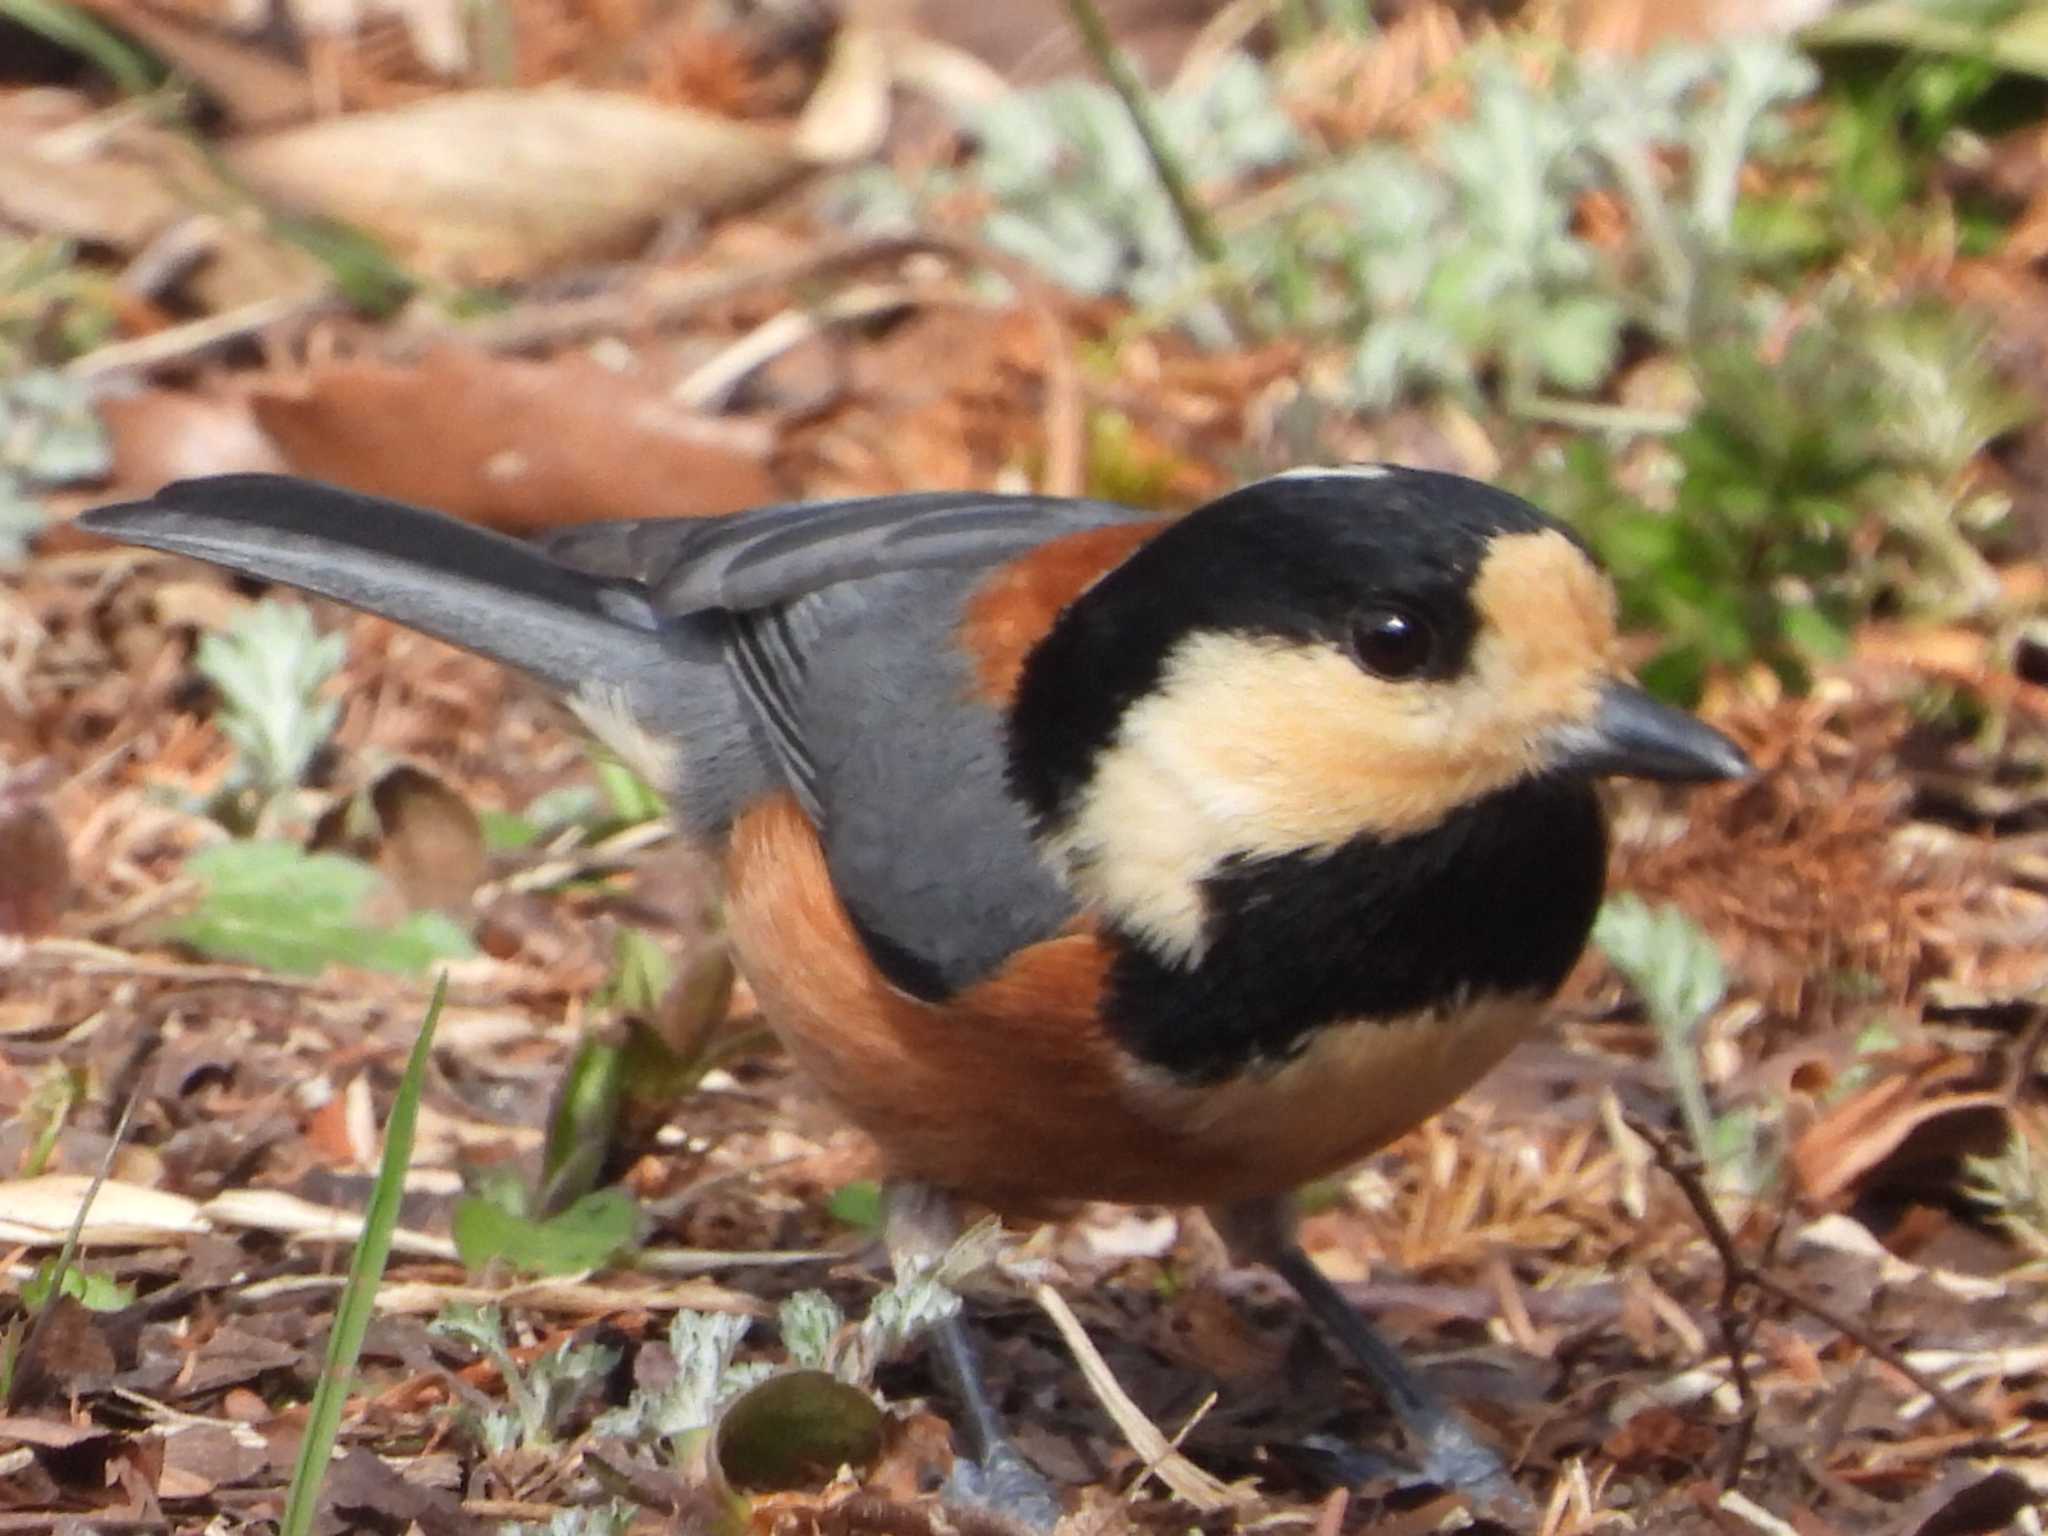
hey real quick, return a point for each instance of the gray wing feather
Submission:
(774, 555)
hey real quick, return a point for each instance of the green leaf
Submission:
(796, 1429)
(858, 1204)
(584, 1125)
(275, 905)
(359, 1296)
(810, 1322)
(586, 1236)
(1677, 970)
(1814, 632)
(1573, 341)
(95, 1292)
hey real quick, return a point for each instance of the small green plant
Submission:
(1805, 488)
(95, 1292)
(1677, 972)
(270, 667)
(816, 1336)
(708, 1374)
(544, 1396)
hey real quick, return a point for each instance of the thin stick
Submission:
(1738, 1272)
(1192, 217)
(1188, 1481)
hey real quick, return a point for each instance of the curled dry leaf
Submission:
(497, 185)
(511, 444)
(1845, 1146)
(432, 845)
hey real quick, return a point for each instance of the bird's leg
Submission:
(919, 1224)
(1453, 1455)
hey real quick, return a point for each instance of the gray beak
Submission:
(1632, 736)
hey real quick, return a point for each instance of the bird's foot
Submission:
(1452, 1457)
(1004, 1484)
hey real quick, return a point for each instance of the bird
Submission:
(1072, 851)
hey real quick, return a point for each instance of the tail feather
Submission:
(473, 588)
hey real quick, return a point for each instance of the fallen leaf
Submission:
(505, 184)
(431, 844)
(511, 444)
(35, 867)
(40, 1211)
(1843, 1146)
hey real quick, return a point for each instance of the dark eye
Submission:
(1391, 643)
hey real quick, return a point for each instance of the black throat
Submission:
(1496, 900)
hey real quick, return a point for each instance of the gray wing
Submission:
(840, 639)
(770, 555)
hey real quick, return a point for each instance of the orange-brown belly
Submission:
(1013, 1093)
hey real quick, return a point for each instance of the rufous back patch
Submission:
(1012, 610)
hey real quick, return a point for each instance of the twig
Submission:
(1735, 1272)
(1738, 1272)
(1188, 1481)
(1193, 218)
(195, 339)
(661, 299)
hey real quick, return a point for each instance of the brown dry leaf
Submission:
(433, 845)
(498, 185)
(162, 435)
(1862, 1131)
(510, 444)
(35, 866)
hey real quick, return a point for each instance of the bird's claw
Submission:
(1003, 1483)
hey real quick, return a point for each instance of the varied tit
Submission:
(1076, 853)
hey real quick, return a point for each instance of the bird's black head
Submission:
(1317, 658)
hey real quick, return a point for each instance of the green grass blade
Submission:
(359, 1296)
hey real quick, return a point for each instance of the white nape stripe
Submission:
(1336, 472)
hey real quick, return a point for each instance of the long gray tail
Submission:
(480, 590)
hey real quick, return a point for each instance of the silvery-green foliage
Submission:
(707, 1376)
(810, 1323)
(50, 435)
(541, 1395)
(269, 666)
(1438, 261)
(1077, 194)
